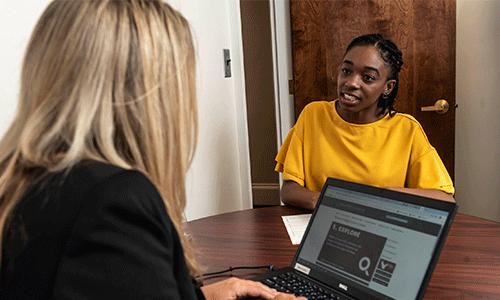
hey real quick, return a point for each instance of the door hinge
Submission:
(290, 87)
(227, 63)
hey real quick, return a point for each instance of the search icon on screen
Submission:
(364, 264)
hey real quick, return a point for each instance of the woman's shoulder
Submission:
(405, 120)
(409, 127)
(317, 110)
(90, 185)
(91, 173)
(318, 106)
(104, 194)
(110, 183)
(406, 117)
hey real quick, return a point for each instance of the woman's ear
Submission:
(389, 86)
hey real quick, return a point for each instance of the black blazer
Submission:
(95, 231)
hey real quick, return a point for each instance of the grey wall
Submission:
(477, 149)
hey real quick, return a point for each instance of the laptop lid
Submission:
(373, 243)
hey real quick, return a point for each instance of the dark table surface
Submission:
(468, 268)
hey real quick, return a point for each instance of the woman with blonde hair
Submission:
(92, 169)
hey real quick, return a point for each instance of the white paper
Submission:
(296, 226)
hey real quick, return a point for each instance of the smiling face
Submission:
(363, 77)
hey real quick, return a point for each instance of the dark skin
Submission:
(296, 195)
(363, 77)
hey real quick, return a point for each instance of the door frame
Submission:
(283, 70)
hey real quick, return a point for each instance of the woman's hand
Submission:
(234, 288)
(296, 195)
(282, 296)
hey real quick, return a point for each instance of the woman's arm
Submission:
(296, 195)
(436, 194)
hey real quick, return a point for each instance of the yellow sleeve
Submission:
(281, 156)
(289, 159)
(429, 172)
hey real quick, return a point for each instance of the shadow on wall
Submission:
(212, 187)
(224, 162)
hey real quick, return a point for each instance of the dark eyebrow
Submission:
(346, 61)
(373, 69)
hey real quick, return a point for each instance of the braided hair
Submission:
(392, 56)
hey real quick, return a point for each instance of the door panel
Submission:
(261, 117)
(424, 31)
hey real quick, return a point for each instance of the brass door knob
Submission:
(441, 106)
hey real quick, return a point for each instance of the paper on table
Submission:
(296, 226)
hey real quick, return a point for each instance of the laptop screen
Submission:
(376, 245)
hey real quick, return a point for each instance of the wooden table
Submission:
(468, 268)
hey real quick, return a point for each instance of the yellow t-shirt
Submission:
(391, 152)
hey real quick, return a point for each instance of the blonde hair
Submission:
(107, 80)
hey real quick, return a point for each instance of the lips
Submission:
(349, 99)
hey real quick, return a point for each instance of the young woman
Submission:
(92, 169)
(360, 137)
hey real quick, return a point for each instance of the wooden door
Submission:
(423, 29)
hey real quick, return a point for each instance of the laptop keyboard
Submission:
(289, 282)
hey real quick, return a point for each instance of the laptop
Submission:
(364, 242)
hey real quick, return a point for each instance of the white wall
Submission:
(17, 19)
(477, 149)
(219, 179)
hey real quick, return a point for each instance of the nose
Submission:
(353, 82)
